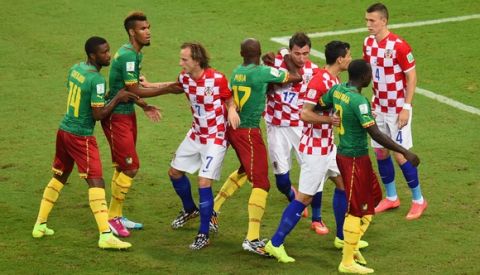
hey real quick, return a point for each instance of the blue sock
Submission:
(182, 188)
(339, 209)
(291, 216)
(317, 207)
(410, 173)
(387, 173)
(206, 208)
(284, 185)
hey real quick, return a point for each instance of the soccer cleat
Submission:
(201, 240)
(320, 228)
(386, 204)
(128, 224)
(279, 253)
(183, 217)
(108, 241)
(117, 227)
(41, 229)
(213, 225)
(354, 268)
(417, 210)
(255, 246)
(338, 243)
(358, 258)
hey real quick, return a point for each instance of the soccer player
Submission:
(316, 144)
(120, 127)
(205, 144)
(394, 82)
(76, 143)
(353, 161)
(282, 115)
(249, 84)
(318, 153)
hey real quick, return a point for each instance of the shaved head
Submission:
(250, 48)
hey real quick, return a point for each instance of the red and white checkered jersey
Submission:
(317, 139)
(390, 59)
(284, 105)
(207, 96)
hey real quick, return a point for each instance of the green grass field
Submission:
(41, 39)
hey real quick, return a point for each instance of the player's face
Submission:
(345, 61)
(102, 55)
(186, 62)
(376, 23)
(142, 33)
(300, 55)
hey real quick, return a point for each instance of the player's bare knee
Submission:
(399, 158)
(131, 173)
(204, 182)
(174, 173)
(304, 198)
(381, 153)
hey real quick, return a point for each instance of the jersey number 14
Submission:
(74, 95)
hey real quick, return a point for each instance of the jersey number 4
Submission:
(246, 91)
(74, 95)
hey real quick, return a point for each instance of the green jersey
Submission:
(86, 89)
(249, 86)
(125, 70)
(356, 116)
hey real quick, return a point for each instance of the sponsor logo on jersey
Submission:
(130, 66)
(410, 58)
(364, 207)
(100, 89)
(388, 53)
(363, 108)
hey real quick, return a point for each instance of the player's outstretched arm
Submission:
(172, 88)
(152, 112)
(309, 115)
(388, 143)
(100, 113)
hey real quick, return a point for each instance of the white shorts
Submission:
(388, 124)
(281, 141)
(315, 171)
(192, 156)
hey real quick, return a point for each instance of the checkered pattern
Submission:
(207, 96)
(317, 139)
(284, 105)
(391, 58)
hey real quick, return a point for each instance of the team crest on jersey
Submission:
(410, 58)
(209, 91)
(363, 108)
(307, 78)
(100, 89)
(274, 72)
(130, 66)
(388, 53)
(129, 160)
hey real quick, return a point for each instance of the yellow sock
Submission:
(232, 184)
(120, 187)
(50, 196)
(256, 208)
(365, 222)
(351, 234)
(98, 204)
